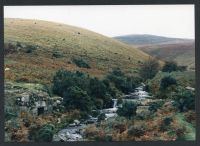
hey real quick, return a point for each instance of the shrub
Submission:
(128, 109)
(64, 79)
(154, 106)
(184, 100)
(136, 131)
(97, 88)
(165, 123)
(170, 66)
(81, 63)
(122, 82)
(76, 98)
(56, 54)
(29, 49)
(45, 134)
(166, 82)
(101, 117)
(149, 69)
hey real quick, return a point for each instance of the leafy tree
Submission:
(128, 109)
(166, 82)
(170, 66)
(184, 100)
(64, 79)
(149, 69)
(97, 88)
(76, 98)
(121, 81)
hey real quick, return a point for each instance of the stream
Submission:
(74, 131)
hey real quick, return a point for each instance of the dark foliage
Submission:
(76, 98)
(81, 63)
(149, 69)
(170, 66)
(128, 110)
(184, 100)
(166, 82)
(121, 81)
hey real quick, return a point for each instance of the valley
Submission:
(64, 83)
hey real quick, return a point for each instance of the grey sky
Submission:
(164, 20)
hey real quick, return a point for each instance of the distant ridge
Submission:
(168, 49)
(146, 39)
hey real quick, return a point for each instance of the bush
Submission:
(165, 123)
(97, 88)
(56, 54)
(184, 100)
(45, 134)
(63, 79)
(154, 106)
(76, 98)
(136, 131)
(166, 82)
(128, 110)
(122, 82)
(101, 117)
(81, 63)
(149, 69)
(29, 48)
(170, 66)
(94, 88)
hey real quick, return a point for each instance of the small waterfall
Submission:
(114, 103)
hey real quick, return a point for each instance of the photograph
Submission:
(99, 73)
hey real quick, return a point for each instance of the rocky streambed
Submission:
(75, 131)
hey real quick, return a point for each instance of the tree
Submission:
(170, 66)
(184, 100)
(149, 69)
(128, 109)
(166, 82)
(121, 81)
(76, 98)
(97, 88)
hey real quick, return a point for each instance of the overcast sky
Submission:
(164, 20)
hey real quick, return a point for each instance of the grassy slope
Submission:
(190, 130)
(100, 52)
(183, 53)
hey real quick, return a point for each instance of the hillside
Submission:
(180, 50)
(35, 49)
(145, 39)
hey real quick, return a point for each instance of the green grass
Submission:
(100, 52)
(190, 130)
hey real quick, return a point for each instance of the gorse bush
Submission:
(184, 100)
(170, 66)
(165, 124)
(76, 98)
(76, 87)
(154, 106)
(166, 82)
(128, 110)
(81, 63)
(45, 134)
(121, 81)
